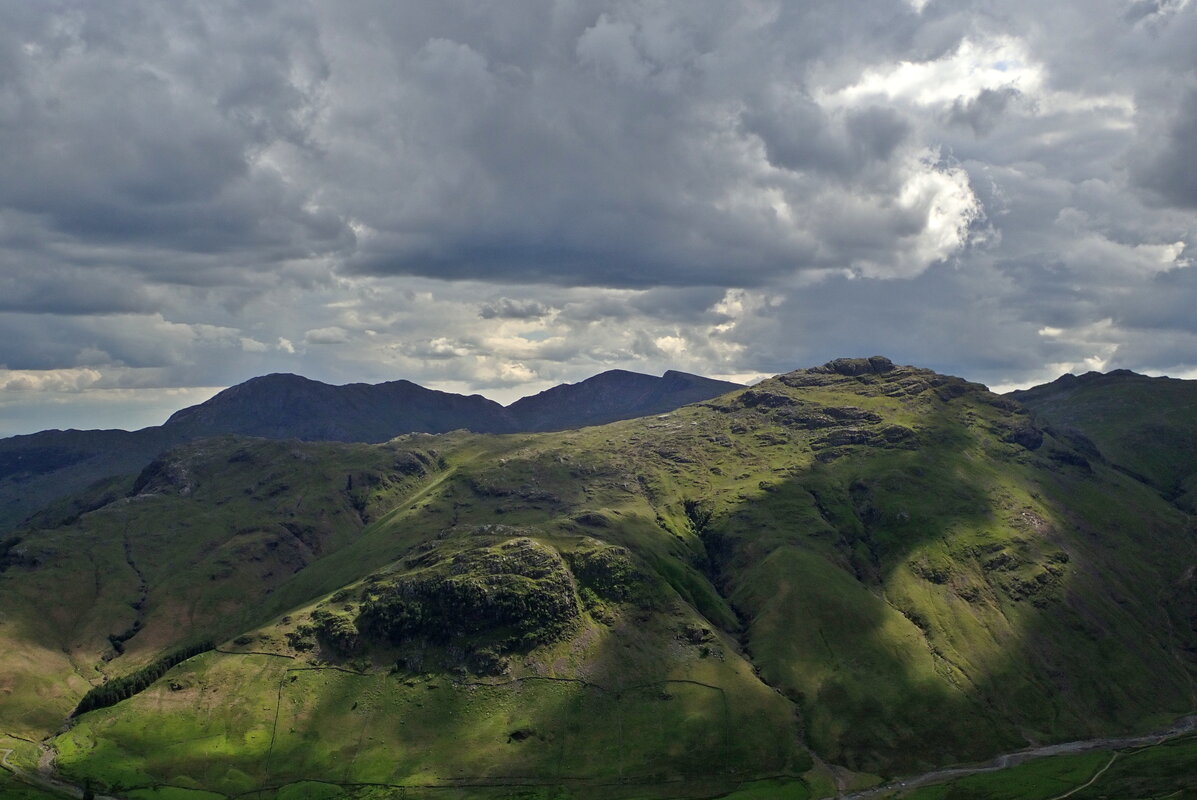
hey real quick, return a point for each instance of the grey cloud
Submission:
(56, 289)
(989, 339)
(148, 126)
(438, 349)
(1170, 352)
(981, 113)
(876, 132)
(46, 341)
(490, 145)
(667, 304)
(1172, 173)
(1165, 303)
(507, 308)
(799, 135)
(533, 157)
(1141, 10)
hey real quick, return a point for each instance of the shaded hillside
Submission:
(885, 566)
(53, 467)
(1147, 426)
(41, 470)
(611, 396)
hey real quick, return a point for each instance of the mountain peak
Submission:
(613, 395)
(283, 406)
(279, 377)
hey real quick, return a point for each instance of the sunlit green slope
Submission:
(887, 567)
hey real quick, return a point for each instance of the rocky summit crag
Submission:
(842, 573)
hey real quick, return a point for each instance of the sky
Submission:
(496, 197)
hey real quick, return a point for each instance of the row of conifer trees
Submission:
(126, 686)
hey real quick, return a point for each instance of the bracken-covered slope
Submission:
(858, 568)
(1147, 426)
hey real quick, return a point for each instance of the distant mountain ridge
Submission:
(286, 406)
(39, 469)
(1146, 426)
(612, 396)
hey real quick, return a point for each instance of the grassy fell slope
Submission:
(892, 567)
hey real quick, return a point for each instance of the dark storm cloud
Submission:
(665, 304)
(1165, 304)
(1140, 10)
(146, 126)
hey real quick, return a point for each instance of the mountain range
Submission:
(844, 576)
(38, 469)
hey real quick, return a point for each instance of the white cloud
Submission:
(942, 207)
(329, 335)
(996, 63)
(48, 380)
(251, 345)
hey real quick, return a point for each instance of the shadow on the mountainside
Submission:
(939, 604)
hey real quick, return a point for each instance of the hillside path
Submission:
(1181, 726)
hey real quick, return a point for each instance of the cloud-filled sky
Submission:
(496, 197)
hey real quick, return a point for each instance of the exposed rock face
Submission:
(753, 398)
(1026, 435)
(886, 378)
(165, 475)
(876, 365)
